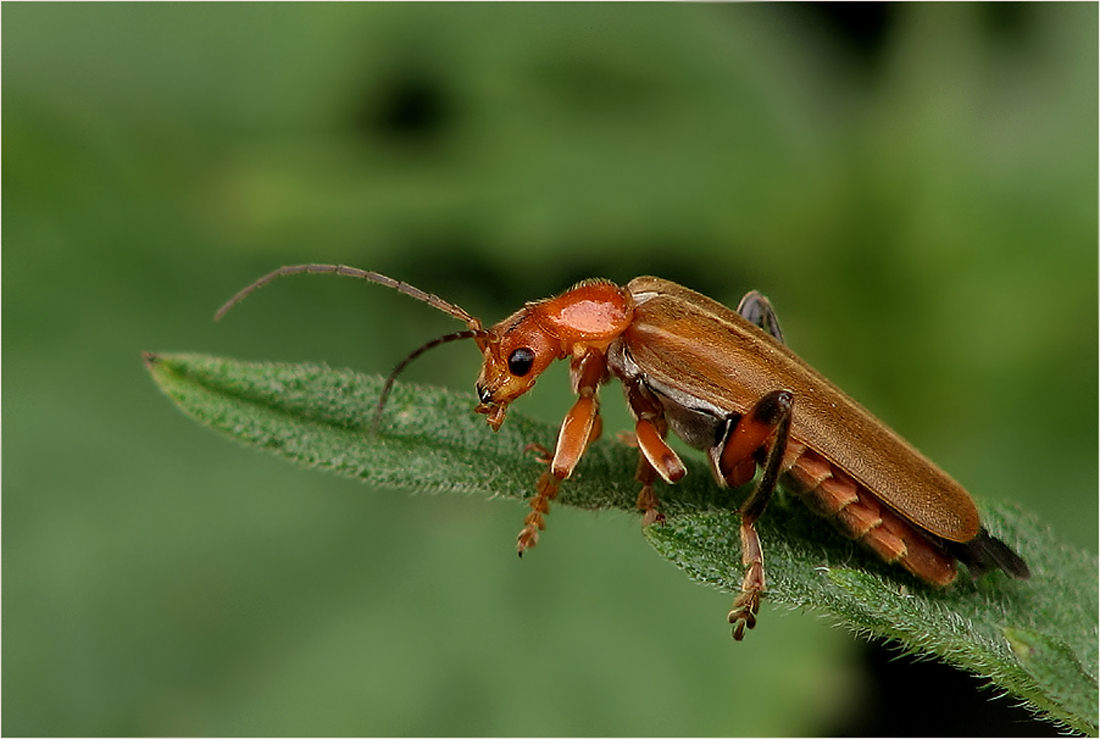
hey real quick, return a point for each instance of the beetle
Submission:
(725, 382)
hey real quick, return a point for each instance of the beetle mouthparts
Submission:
(494, 413)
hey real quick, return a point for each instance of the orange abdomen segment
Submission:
(860, 515)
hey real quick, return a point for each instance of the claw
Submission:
(527, 538)
(743, 614)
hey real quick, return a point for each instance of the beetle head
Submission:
(515, 352)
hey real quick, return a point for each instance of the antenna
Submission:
(475, 330)
(402, 287)
(457, 335)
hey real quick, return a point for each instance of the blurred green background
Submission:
(914, 186)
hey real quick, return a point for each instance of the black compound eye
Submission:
(520, 361)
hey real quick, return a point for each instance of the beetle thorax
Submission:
(594, 312)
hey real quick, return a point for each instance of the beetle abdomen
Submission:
(859, 515)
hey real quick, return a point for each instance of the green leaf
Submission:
(1036, 639)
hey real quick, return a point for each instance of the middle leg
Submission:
(657, 457)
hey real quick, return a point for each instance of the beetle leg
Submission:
(769, 418)
(647, 499)
(627, 438)
(542, 454)
(756, 309)
(657, 457)
(646, 474)
(581, 426)
(661, 457)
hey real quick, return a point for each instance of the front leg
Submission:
(580, 428)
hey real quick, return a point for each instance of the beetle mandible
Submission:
(725, 382)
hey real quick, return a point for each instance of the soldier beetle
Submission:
(725, 382)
